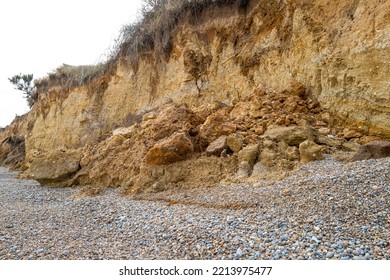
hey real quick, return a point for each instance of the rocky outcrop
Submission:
(275, 74)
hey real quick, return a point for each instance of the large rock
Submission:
(55, 167)
(216, 147)
(373, 150)
(234, 142)
(292, 135)
(310, 151)
(169, 119)
(172, 149)
(244, 170)
(249, 154)
(215, 126)
(268, 156)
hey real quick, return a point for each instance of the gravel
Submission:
(332, 210)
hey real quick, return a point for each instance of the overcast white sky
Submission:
(38, 36)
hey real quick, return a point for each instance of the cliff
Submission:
(284, 81)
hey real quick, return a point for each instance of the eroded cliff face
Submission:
(237, 71)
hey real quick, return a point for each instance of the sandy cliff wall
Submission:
(340, 51)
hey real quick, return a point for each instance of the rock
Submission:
(350, 146)
(330, 141)
(259, 130)
(373, 150)
(217, 146)
(310, 151)
(40, 251)
(169, 119)
(215, 126)
(244, 170)
(286, 192)
(170, 150)
(330, 255)
(349, 134)
(55, 166)
(296, 88)
(125, 131)
(292, 135)
(239, 253)
(234, 142)
(292, 153)
(267, 157)
(259, 169)
(114, 141)
(249, 154)
(268, 144)
(321, 123)
(324, 130)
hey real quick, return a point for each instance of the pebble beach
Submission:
(326, 210)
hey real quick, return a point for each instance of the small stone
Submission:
(284, 237)
(39, 251)
(313, 238)
(329, 255)
(239, 253)
(321, 123)
(286, 192)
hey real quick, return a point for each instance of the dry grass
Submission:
(152, 33)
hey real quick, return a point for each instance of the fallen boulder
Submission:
(310, 151)
(372, 150)
(217, 146)
(292, 135)
(172, 149)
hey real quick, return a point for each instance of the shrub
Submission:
(25, 84)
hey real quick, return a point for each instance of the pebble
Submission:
(226, 222)
(329, 255)
(239, 253)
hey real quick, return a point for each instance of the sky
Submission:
(39, 36)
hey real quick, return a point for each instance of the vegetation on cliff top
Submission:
(152, 33)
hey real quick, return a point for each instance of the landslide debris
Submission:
(266, 135)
